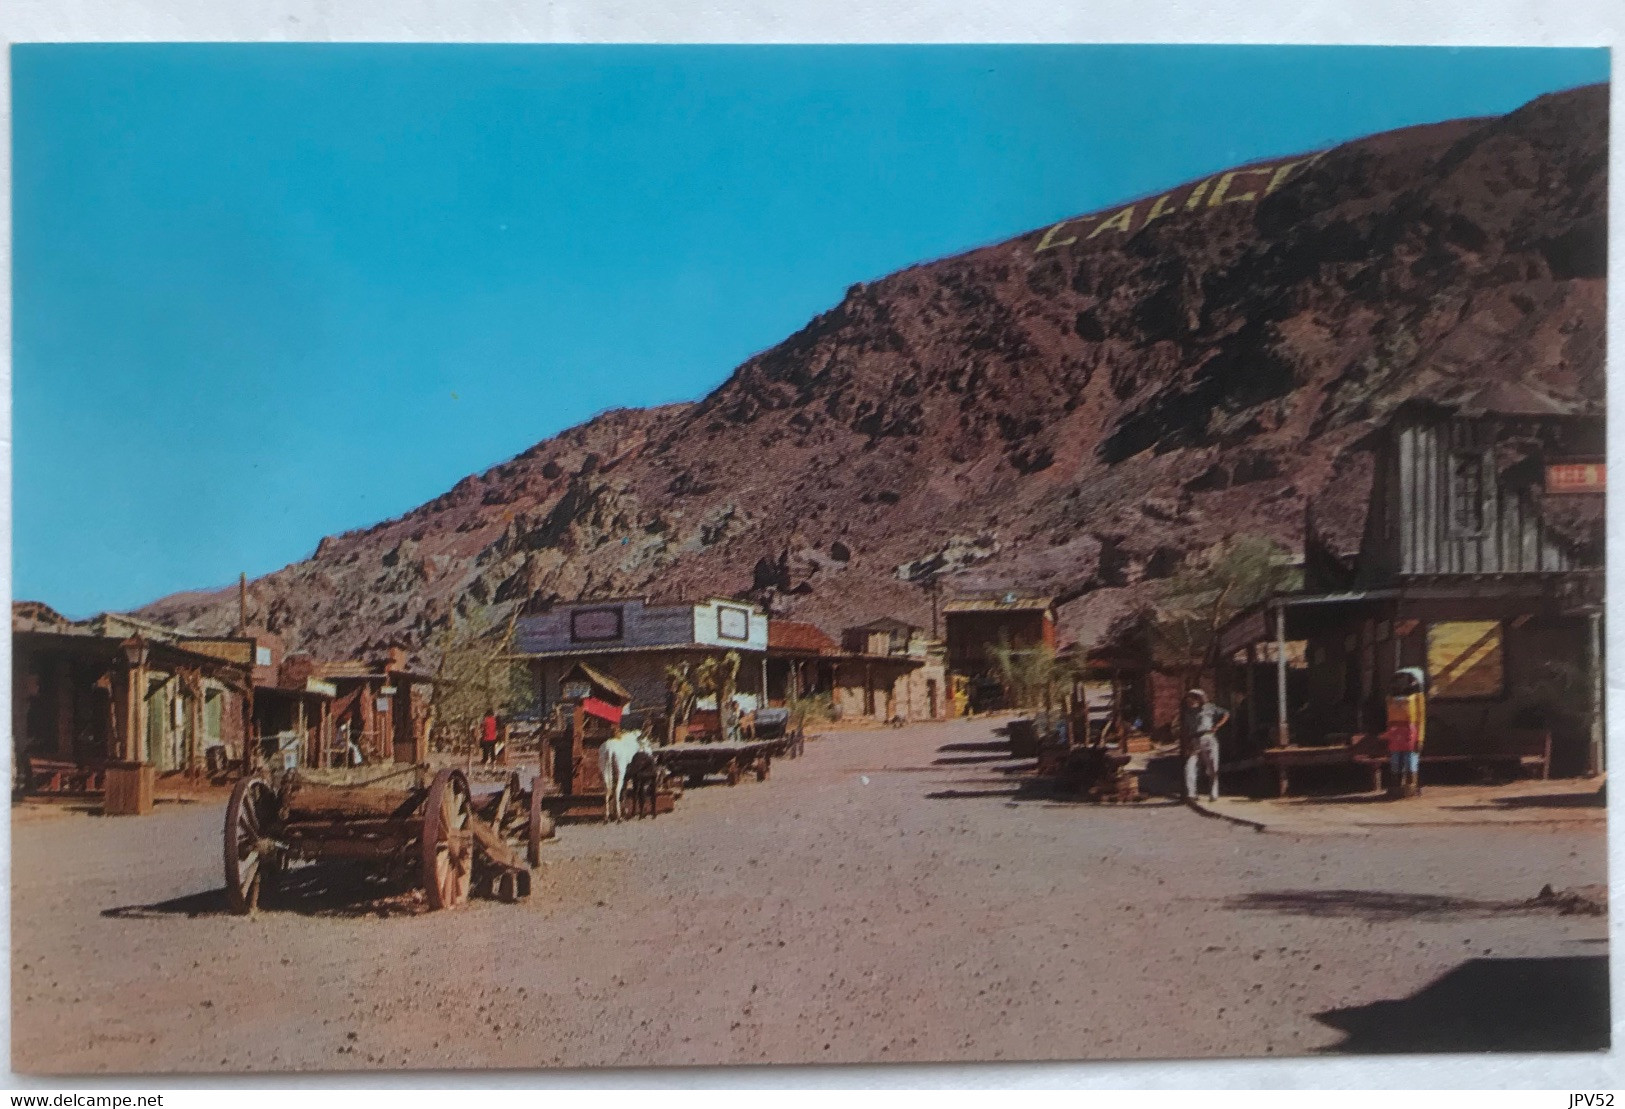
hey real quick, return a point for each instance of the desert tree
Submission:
(1193, 605)
(476, 673)
(1035, 677)
(681, 694)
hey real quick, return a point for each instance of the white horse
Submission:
(614, 759)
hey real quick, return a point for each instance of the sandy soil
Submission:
(888, 897)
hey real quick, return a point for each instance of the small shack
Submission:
(380, 706)
(890, 670)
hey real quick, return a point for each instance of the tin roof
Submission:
(1506, 398)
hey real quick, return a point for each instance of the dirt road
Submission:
(885, 898)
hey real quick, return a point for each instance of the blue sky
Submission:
(267, 293)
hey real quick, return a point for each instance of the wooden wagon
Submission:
(694, 762)
(410, 822)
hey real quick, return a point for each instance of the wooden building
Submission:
(632, 642)
(111, 690)
(801, 660)
(889, 670)
(1481, 562)
(381, 706)
(593, 705)
(976, 626)
(293, 705)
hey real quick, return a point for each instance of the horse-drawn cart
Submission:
(410, 822)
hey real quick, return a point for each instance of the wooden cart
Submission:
(693, 762)
(413, 822)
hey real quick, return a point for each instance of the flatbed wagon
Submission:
(428, 825)
(694, 762)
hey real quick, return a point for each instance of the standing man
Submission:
(1202, 721)
(488, 739)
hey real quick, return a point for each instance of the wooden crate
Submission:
(128, 790)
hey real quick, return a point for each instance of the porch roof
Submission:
(1568, 590)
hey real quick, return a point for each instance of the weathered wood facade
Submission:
(381, 706)
(975, 626)
(86, 696)
(634, 642)
(1481, 562)
(890, 670)
(1462, 494)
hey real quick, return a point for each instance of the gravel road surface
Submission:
(891, 896)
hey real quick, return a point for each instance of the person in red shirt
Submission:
(488, 739)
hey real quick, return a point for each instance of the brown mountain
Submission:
(1076, 410)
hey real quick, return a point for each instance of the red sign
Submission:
(1576, 477)
(592, 706)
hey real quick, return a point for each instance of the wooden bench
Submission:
(51, 775)
(1283, 760)
(1529, 749)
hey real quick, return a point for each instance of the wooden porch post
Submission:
(135, 730)
(194, 724)
(64, 708)
(1597, 761)
(250, 737)
(1252, 693)
(1283, 734)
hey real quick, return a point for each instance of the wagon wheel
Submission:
(250, 861)
(510, 792)
(541, 825)
(447, 841)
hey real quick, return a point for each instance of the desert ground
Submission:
(894, 895)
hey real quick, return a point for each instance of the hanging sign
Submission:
(1576, 477)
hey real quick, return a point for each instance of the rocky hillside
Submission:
(1076, 410)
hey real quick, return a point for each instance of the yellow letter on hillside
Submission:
(1223, 187)
(1160, 208)
(1282, 172)
(1049, 241)
(1120, 221)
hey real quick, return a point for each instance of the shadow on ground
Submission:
(984, 748)
(1372, 905)
(1590, 799)
(1553, 1004)
(321, 890)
